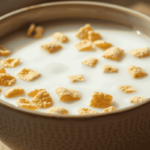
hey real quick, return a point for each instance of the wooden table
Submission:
(141, 7)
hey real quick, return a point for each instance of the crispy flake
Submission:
(84, 45)
(102, 44)
(31, 30)
(67, 94)
(92, 36)
(136, 99)
(57, 110)
(100, 100)
(60, 37)
(34, 92)
(111, 108)
(108, 68)
(126, 88)
(90, 62)
(10, 62)
(86, 111)
(76, 78)
(2, 70)
(4, 51)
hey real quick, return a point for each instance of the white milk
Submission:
(56, 67)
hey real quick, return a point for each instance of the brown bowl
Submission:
(125, 129)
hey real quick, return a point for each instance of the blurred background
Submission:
(7, 6)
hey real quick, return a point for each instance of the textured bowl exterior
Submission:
(126, 129)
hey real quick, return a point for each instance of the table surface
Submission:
(141, 7)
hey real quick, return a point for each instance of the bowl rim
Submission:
(42, 114)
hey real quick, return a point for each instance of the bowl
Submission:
(125, 129)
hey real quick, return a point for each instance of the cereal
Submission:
(13, 92)
(102, 44)
(114, 53)
(100, 100)
(10, 62)
(90, 62)
(141, 52)
(111, 108)
(108, 68)
(67, 94)
(27, 74)
(6, 79)
(84, 45)
(51, 46)
(76, 78)
(34, 92)
(126, 88)
(86, 111)
(42, 99)
(57, 110)
(25, 103)
(60, 37)
(4, 51)
(38, 32)
(0, 90)
(83, 32)
(136, 99)
(2, 70)
(92, 36)
(136, 72)
(31, 30)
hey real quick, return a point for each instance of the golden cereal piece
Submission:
(10, 62)
(51, 46)
(67, 94)
(13, 92)
(92, 36)
(25, 103)
(111, 108)
(60, 37)
(84, 45)
(42, 99)
(102, 44)
(136, 72)
(136, 99)
(6, 79)
(114, 53)
(57, 110)
(101, 100)
(86, 111)
(4, 51)
(31, 30)
(108, 68)
(34, 92)
(90, 62)
(141, 52)
(28, 74)
(2, 70)
(83, 32)
(126, 88)
(76, 78)
(0, 90)
(38, 32)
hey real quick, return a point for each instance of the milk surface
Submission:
(56, 67)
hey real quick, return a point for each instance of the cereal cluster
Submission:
(40, 98)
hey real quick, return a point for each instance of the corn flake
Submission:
(141, 52)
(6, 79)
(10, 62)
(136, 99)
(136, 72)
(25, 103)
(0, 90)
(92, 36)
(2, 70)
(4, 51)
(57, 110)
(111, 108)
(86, 111)
(84, 45)
(102, 44)
(34, 92)
(31, 30)
(126, 88)
(38, 32)
(101, 100)
(67, 94)
(114, 53)
(108, 68)
(13, 92)
(83, 32)
(76, 78)
(90, 62)
(51, 46)
(42, 99)
(28, 74)
(60, 37)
